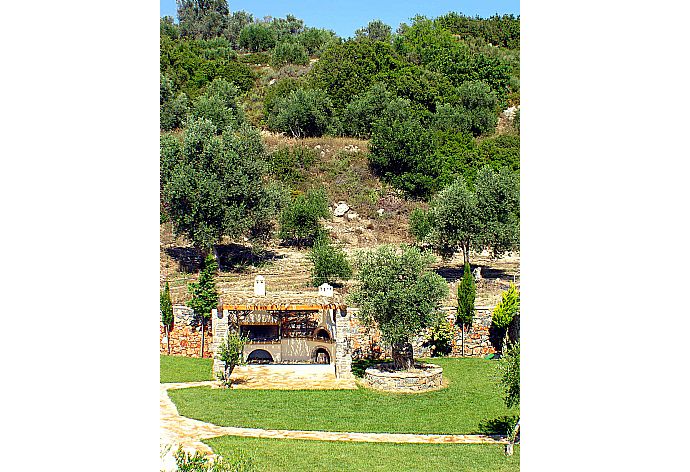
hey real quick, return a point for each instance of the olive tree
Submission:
(330, 262)
(486, 217)
(213, 185)
(302, 113)
(397, 293)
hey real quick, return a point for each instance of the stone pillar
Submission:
(343, 344)
(219, 326)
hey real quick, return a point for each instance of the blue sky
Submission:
(344, 17)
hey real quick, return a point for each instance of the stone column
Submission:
(343, 344)
(219, 326)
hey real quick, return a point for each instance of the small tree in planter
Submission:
(167, 312)
(205, 295)
(398, 294)
(505, 311)
(230, 353)
(466, 295)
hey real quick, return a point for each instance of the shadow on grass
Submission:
(360, 365)
(501, 425)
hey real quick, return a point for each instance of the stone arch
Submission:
(259, 356)
(320, 355)
(322, 333)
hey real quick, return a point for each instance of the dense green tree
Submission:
(330, 263)
(286, 27)
(398, 293)
(466, 294)
(219, 105)
(348, 69)
(316, 40)
(166, 312)
(202, 18)
(502, 150)
(424, 88)
(279, 90)
(230, 352)
(302, 113)
(299, 220)
(457, 155)
(507, 308)
(510, 381)
(376, 30)
(173, 109)
(401, 150)
(361, 113)
(236, 23)
(204, 295)
(212, 185)
(420, 224)
(288, 52)
(487, 217)
(169, 28)
(257, 37)
(498, 30)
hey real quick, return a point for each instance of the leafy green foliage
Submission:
(510, 381)
(238, 461)
(466, 295)
(257, 37)
(193, 64)
(361, 113)
(420, 224)
(376, 30)
(503, 30)
(487, 217)
(166, 307)
(173, 109)
(401, 150)
(288, 52)
(212, 185)
(204, 293)
(289, 164)
(169, 28)
(219, 105)
(348, 69)
(286, 27)
(499, 151)
(302, 113)
(237, 21)
(397, 292)
(316, 40)
(507, 308)
(299, 220)
(440, 338)
(202, 18)
(330, 262)
(230, 352)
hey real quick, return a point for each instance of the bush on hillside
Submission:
(289, 52)
(360, 114)
(299, 220)
(302, 113)
(420, 224)
(257, 37)
(288, 164)
(330, 263)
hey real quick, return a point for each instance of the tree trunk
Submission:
(228, 372)
(203, 333)
(403, 358)
(466, 253)
(167, 337)
(463, 340)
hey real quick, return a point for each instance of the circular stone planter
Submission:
(422, 378)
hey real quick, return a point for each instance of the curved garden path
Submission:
(178, 430)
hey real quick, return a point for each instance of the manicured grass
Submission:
(185, 369)
(472, 399)
(278, 455)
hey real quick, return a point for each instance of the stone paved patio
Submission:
(289, 377)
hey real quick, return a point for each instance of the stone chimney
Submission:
(259, 286)
(325, 290)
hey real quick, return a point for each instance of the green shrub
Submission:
(257, 37)
(288, 164)
(240, 461)
(420, 225)
(330, 263)
(230, 353)
(361, 113)
(316, 40)
(500, 151)
(302, 113)
(219, 105)
(173, 113)
(440, 338)
(510, 381)
(288, 52)
(507, 308)
(299, 220)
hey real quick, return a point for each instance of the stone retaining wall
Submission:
(185, 338)
(430, 377)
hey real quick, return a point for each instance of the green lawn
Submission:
(471, 404)
(290, 454)
(185, 369)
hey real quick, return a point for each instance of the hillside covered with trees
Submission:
(266, 122)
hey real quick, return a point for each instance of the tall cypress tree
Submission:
(466, 294)
(167, 312)
(205, 295)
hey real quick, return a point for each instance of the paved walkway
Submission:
(289, 377)
(178, 430)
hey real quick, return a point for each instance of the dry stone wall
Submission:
(185, 337)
